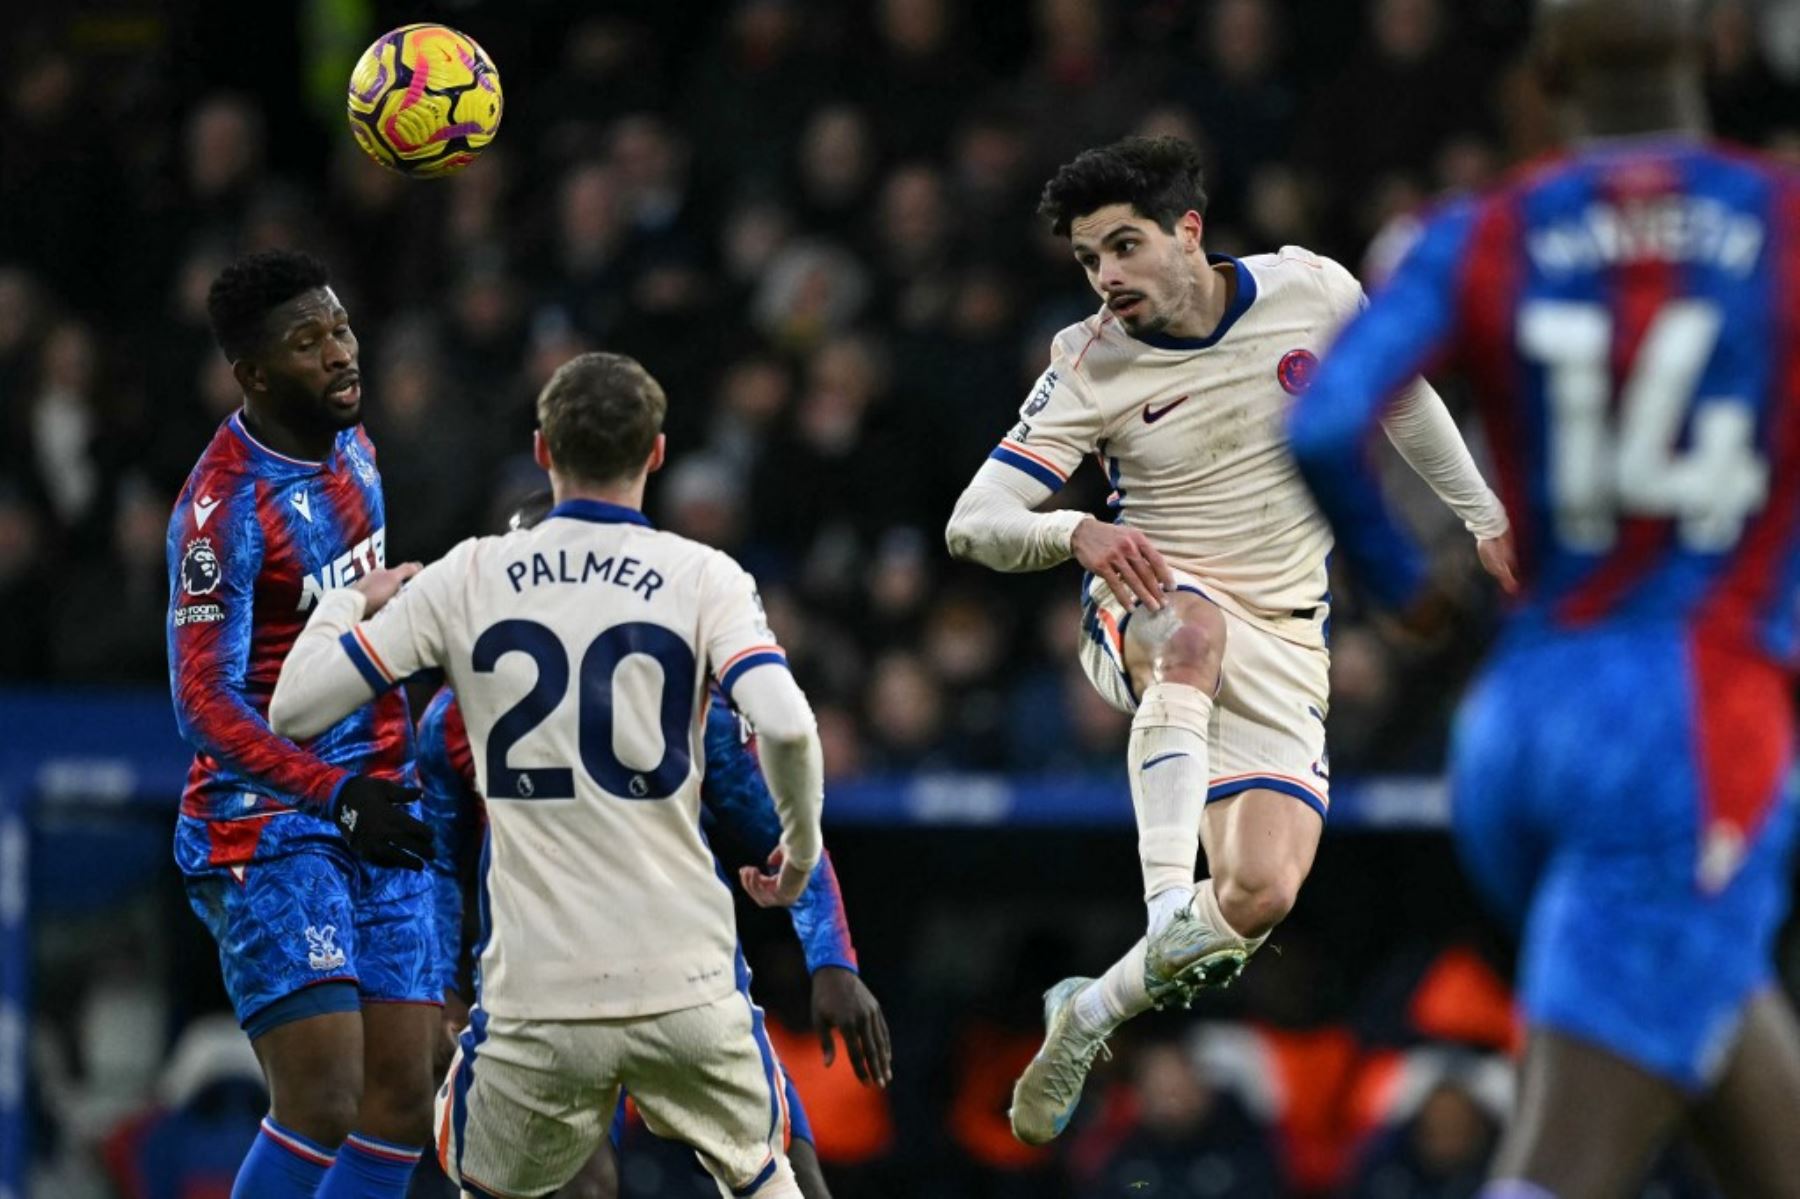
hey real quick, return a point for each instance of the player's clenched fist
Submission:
(780, 887)
(372, 815)
(1125, 559)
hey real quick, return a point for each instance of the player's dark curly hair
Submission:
(1161, 177)
(241, 298)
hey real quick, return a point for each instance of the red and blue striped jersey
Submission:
(1629, 321)
(255, 539)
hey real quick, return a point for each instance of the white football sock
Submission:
(1167, 765)
(1115, 996)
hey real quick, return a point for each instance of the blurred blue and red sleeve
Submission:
(736, 800)
(1405, 329)
(451, 805)
(212, 634)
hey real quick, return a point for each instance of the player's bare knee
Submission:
(325, 1111)
(1192, 654)
(1255, 904)
(1183, 644)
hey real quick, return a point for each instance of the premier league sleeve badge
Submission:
(200, 571)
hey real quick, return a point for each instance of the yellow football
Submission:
(424, 100)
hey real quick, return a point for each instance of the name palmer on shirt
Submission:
(566, 566)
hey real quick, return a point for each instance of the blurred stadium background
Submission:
(812, 220)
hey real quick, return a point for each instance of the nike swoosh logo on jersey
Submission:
(303, 506)
(203, 508)
(1152, 415)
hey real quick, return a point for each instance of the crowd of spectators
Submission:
(813, 222)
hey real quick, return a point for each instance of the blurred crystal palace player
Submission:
(292, 853)
(1622, 771)
(1180, 385)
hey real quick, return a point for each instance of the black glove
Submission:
(372, 815)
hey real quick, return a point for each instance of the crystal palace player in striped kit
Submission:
(1622, 770)
(300, 859)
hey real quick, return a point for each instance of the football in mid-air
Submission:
(424, 100)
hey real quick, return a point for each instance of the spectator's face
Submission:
(17, 310)
(18, 539)
(1731, 35)
(988, 159)
(590, 208)
(753, 236)
(1099, 727)
(912, 212)
(905, 707)
(306, 367)
(44, 89)
(484, 307)
(963, 642)
(764, 27)
(755, 390)
(913, 26)
(840, 742)
(1241, 38)
(1141, 272)
(983, 305)
(1069, 26)
(219, 390)
(835, 155)
(408, 388)
(1171, 1096)
(222, 146)
(644, 155)
(139, 528)
(69, 359)
(1451, 1132)
(846, 369)
(1406, 30)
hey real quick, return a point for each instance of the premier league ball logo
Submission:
(200, 571)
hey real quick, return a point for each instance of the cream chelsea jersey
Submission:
(580, 653)
(1190, 433)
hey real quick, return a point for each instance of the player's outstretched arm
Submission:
(793, 763)
(752, 672)
(734, 791)
(210, 624)
(340, 660)
(321, 681)
(1422, 429)
(1381, 351)
(994, 523)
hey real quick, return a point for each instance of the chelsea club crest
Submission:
(200, 571)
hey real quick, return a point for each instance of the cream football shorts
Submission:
(526, 1103)
(1268, 720)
